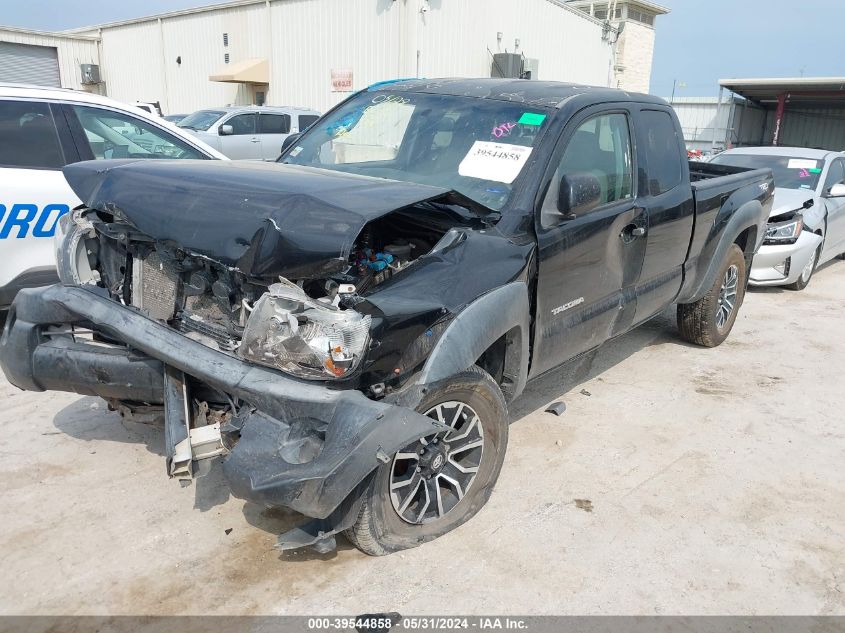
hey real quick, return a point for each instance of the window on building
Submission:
(663, 152)
(600, 14)
(243, 123)
(274, 124)
(113, 134)
(601, 146)
(29, 136)
(643, 17)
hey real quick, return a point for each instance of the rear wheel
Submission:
(709, 320)
(440, 481)
(804, 280)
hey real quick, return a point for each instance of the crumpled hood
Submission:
(790, 200)
(264, 219)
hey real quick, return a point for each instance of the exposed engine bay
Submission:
(306, 326)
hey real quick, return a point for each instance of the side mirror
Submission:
(226, 130)
(579, 193)
(290, 140)
(837, 191)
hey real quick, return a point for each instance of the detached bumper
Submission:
(345, 435)
(776, 265)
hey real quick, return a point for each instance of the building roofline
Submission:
(563, 4)
(797, 82)
(659, 9)
(64, 34)
(168, 14)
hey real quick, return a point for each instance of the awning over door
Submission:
(254, 71)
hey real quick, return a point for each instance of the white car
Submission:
(807, 224)
(41, 131)
(248, 132)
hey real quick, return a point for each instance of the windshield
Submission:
(201, 120)
(477, 147)
(790, 172)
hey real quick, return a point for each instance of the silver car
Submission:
(807, 224)
(244, 132)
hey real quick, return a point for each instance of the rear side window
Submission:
(306, 121)
(274, 124)
(28, 136)
(663, 152)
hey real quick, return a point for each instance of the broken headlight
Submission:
(290, 331)
(785, 232)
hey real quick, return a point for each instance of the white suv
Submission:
(245, 132)
(41, 131)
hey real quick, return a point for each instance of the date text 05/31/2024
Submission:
(385, 622)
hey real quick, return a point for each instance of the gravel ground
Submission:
(679, 481)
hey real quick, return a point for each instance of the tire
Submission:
(807, 274)
(380, 528)
(704, 322)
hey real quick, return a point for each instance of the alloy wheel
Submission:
(727, 296)
(429, 477)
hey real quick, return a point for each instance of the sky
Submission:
(698, 43)
(702, 41)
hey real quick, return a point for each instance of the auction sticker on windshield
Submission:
(494, 161)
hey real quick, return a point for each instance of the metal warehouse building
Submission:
(314, 52)
(794, 112)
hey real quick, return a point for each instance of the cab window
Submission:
(663, 149)
(29, 136)
(242, 124)
(112, 134)
(600, 147)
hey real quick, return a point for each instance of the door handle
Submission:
(632, 232)
(255, 140)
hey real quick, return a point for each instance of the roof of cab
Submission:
(536, 93)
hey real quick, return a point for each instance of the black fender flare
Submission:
(503, 311)
(700, 273)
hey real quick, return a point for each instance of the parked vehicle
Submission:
(148, 107)
(807, 224)
(174, 118)
(241, 132)
(347, 327)
(41, 131)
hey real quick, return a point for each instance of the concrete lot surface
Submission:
(679, 481)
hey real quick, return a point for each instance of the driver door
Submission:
(589, 263)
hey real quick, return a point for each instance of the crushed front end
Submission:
(251, 346)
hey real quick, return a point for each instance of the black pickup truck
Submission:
(343, 329)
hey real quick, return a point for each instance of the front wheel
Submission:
(709, 320)
(806, 274)
(438, 482)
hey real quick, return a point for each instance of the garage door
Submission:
(26, 64)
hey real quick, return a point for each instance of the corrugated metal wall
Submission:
(736, 124)
(377, 39)
(823, 128)
(71, 52)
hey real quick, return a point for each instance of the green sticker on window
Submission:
(532, 118)
(815, 171)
